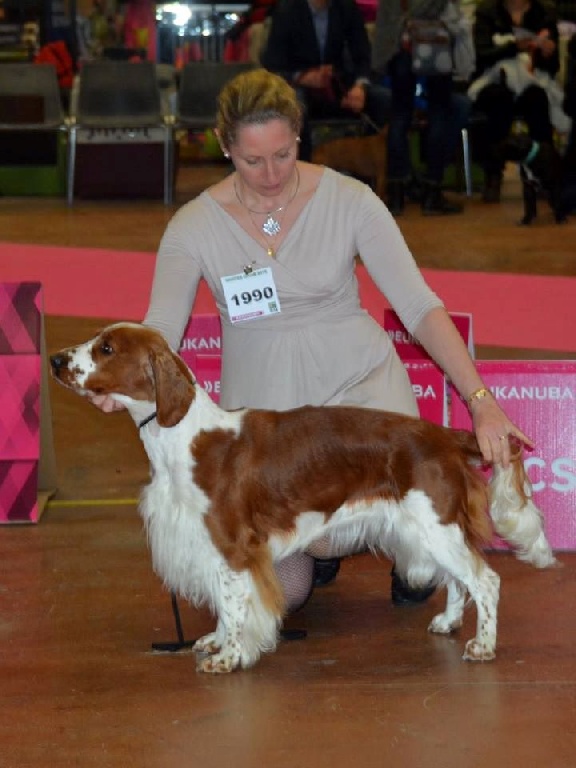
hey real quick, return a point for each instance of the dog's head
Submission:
(131, 363)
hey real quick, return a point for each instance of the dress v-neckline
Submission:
(297, 224)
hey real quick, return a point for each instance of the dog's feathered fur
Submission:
(233, 492)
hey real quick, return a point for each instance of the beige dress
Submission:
(322, 348)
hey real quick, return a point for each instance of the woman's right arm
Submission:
(176, 277)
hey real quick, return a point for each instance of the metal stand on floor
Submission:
(181, 643)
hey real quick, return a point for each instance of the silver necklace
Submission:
(271, 225)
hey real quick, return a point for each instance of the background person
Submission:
(513, 38)
(447, 112)
(322, 49)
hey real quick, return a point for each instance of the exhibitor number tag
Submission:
(250, 296)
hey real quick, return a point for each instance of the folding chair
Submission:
(119, 103)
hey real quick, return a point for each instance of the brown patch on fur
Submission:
(363, 156)
(282, 464)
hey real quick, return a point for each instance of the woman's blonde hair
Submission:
(255, 97)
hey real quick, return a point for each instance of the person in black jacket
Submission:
(322, 49)
(505, 32)
(569, 106)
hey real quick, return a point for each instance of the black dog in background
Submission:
(541, 171)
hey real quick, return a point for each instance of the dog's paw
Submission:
(206, 644)
(227, 660)
(442, 624)
(477, 651)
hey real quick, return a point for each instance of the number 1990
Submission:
(247, 297)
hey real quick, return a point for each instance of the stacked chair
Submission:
(117, 127)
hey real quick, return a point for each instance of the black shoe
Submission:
(415, 189)
(435, 204)
(402, 594)
(325, 570)
(396, 197)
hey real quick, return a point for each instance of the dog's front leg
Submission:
(225, 644)
(451, 619)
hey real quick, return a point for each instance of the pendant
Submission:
(270, 252)
(271, 226)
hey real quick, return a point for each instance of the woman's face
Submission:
(264, 156)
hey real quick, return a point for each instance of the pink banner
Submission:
(429, 386)
(539, 396)
(202, 336)
(207, 369)
(410, 349)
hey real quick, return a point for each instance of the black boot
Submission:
(325, 570)
(492, 187)
(396, 197)
(435, 204)
(403, 594)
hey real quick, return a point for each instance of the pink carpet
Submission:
(521, 311)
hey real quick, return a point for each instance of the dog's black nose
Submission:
(57, 362)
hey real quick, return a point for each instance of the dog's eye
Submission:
(105, 348)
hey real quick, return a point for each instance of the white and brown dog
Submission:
(233, 492)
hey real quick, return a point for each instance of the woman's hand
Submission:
(107, 403)
(493, 429)
(354, 99)
(317, 77)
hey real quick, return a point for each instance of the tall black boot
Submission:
(435, 204)
(492, 187)
(396, 196)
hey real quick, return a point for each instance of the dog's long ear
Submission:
(174, 386)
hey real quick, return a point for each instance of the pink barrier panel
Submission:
(407, 346)
(539, 396)
(201, 351)
(429, 386)
(208, 369)
(20, 369)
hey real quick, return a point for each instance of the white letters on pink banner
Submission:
(201, 351)
(429, 387)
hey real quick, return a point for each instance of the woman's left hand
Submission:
(493, 431)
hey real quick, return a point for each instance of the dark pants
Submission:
(446, 114)
(377, 108)
(501, 107)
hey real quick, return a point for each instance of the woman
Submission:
(297, 228)
(516, 45)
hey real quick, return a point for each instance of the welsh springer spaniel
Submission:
(233, 492)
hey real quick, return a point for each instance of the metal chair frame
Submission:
(120, 95)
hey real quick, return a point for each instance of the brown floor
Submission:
(80, 605)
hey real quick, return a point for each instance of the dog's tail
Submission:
(516, 518)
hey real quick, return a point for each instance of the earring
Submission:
(298, 139)
(227, 155)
